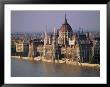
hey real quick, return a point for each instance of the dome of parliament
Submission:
(65, 27)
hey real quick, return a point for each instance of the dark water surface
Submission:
(25, 68)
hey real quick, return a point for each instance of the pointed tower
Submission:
(31, 50)
(65, 20)
(54, 45)
(45, 38)
(45, 42)
(54, 39)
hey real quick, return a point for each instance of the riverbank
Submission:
(86, 65)
(97, 66)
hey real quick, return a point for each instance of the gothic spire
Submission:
(65, 19)
(46, 32)
(54, 30)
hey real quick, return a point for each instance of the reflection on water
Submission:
(25, 68)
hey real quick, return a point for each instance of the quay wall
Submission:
(60, 61)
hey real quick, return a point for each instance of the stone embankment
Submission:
(59, 61)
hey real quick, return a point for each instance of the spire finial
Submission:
(65, 19)
(65, 15)
(54, 29)
(46, 31)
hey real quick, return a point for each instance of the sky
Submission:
(41, 21)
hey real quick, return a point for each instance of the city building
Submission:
(62, 43)
(65, 32)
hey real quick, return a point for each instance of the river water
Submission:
(25, 68)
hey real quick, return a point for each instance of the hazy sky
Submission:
(39, 21)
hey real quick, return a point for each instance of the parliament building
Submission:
(63, 43)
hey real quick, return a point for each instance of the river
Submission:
(25, 68)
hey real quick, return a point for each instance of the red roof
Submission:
(66, 28)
